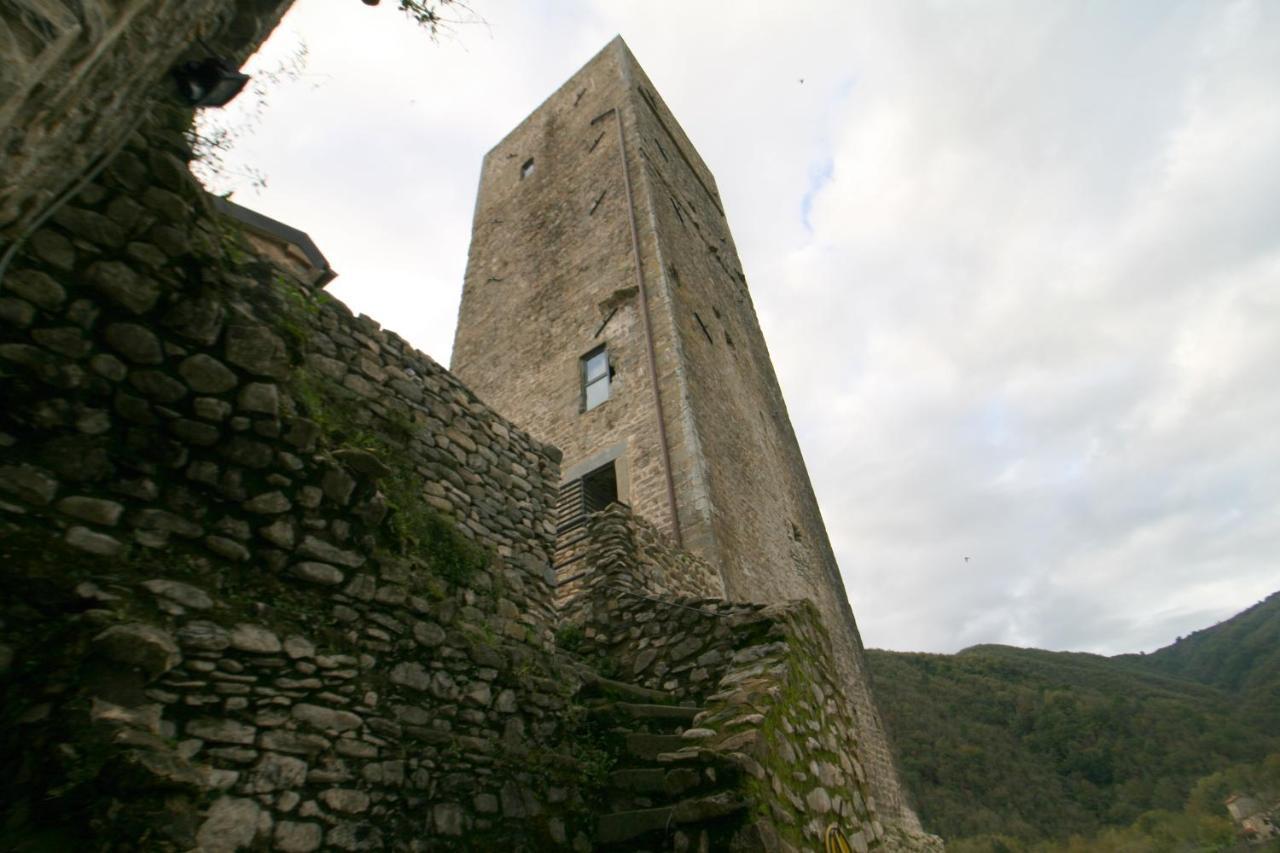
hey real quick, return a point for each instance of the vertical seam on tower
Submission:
(648, 331)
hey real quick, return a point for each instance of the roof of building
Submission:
(278, 230)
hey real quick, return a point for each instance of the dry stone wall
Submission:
(272, 577)
(762, 675)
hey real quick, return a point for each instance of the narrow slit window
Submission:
(704, 328)
(595, 378)
(527, 169)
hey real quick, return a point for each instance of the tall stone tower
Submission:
(605, 311)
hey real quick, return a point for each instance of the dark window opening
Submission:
(527, 169)
(600, 488)
(675, 274)
(728, 340)
(586, 495)
(596, 375)
(704, 328)
(716, 311)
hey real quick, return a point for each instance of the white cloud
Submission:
(1036, 247)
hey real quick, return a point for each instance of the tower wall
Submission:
(552, 274)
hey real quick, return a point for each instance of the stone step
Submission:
(641, 711)
(646, 715)
(647, 747)
(598, 685)
(625, 826)
(622, 826)
(642, 780)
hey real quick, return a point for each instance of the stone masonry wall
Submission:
(551, 265)
(75, 75)
(619, 551)
(763, 676)
(271, 577)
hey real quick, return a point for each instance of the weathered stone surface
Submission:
(54, 249)
(321, 573)
(229, 548)
(90, 225)
(108, 366)
(136, 343)
(299, 647)
(28, 483)
(411, 674)
(122, 285)
(268, 503)
(345, 800)
(260, 398)
(199, 635)
(428, 633)
(222, 731)
(93, 542)
(318, 549)
(275, 773)
(199, 319)
(254, 638)
(295, 743)
(136, 644)
(17, 312)
(338, 485)
(204, 374)
(280, 532)
(158, 386)
(181, 593)
(355, 836)
(362, 462)
(818, 801)
(94, 510)
(298, 837)
(232, 824)
(448, 818)
(37, 288)
(257, 349)
(326, 719)
(159, 519)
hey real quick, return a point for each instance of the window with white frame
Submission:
(595, 378)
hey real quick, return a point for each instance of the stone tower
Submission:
(605, 310)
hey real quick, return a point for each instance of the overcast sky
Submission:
(1018, 266)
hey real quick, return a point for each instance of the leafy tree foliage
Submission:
(1011, 748)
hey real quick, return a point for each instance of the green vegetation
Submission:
(1015, 748)
(413, 527)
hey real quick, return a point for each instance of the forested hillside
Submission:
(1034, 745)
(1241, 656)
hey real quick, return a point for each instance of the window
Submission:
(595, 378)
(527, 169)
(600, 488)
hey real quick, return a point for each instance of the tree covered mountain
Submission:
(1031, 744)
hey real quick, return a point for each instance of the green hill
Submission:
(1240, 656)
(1033, 744)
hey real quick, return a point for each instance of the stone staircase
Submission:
(663, 794)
